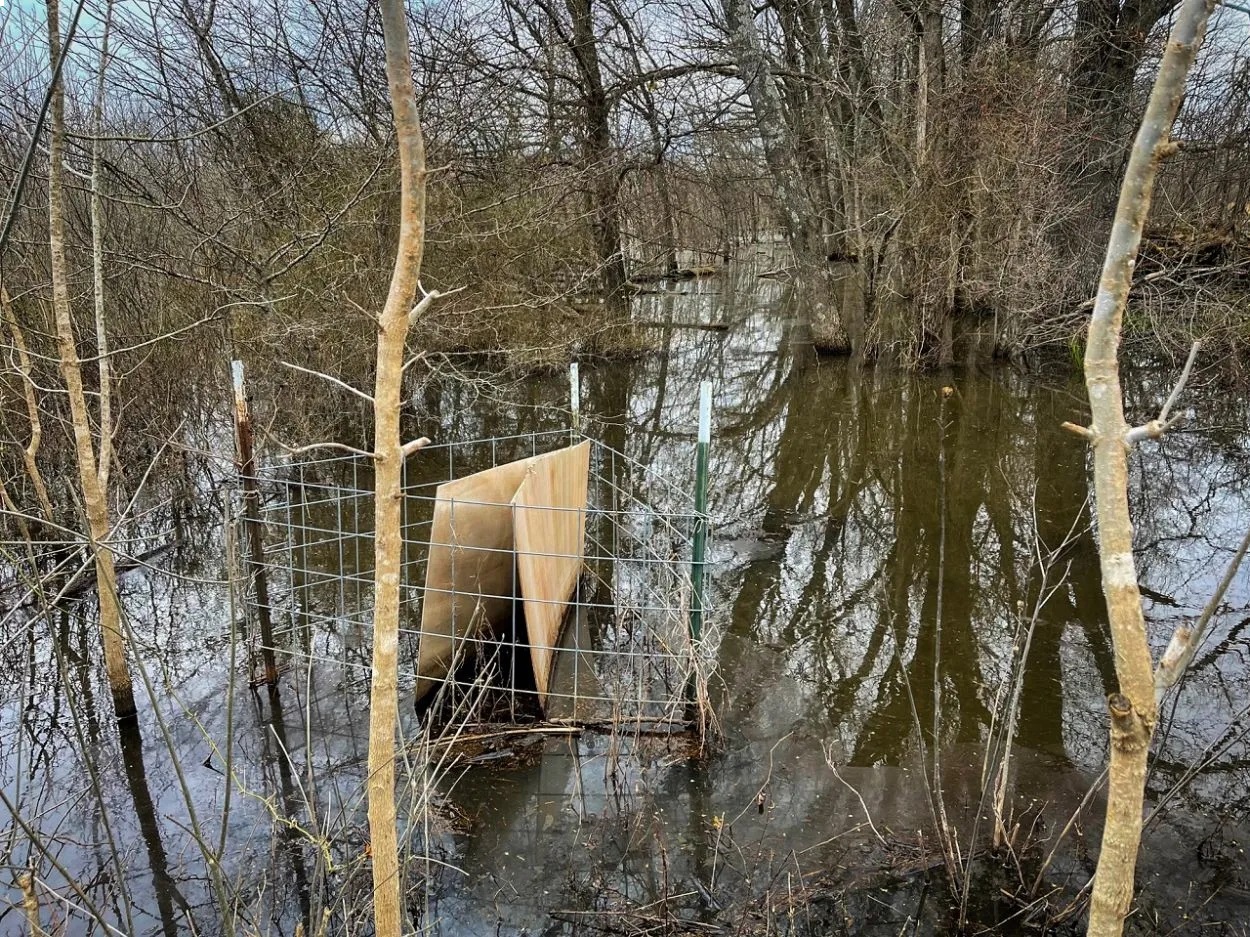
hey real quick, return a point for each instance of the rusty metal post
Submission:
(246, 466)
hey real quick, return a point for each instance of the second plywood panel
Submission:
(531, 513)
(549, 523)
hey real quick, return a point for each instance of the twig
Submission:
(1094, 788)
(179, 138)
(333, 380)
(1185, 640)
(427, 300)
(312, 447)
(1162, 423)
(413, 446)
(858, 796)
(1180, 384)
(1155, 428)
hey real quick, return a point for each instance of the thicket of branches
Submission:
(943, 174)
(216, 180)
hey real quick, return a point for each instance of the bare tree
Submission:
(389, 454)
(570, 28)
(800, 213)
(92, 469)
(1109, 40)
(1133, 708)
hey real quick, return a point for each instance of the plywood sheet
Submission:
(469, 581)
(550, 534)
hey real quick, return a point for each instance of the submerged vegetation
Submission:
(920, 595)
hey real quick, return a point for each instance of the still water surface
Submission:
(879, 540)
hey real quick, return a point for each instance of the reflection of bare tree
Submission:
(1189, 497)
(291, 835)
(839, 473)
(909, 682)
(1060, 504)
(163, 885)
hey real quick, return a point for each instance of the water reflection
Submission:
(164, 887)
(878, 538)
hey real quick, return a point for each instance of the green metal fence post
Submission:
(698, 558)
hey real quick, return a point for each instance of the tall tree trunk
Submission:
(389, 454)
(1109, 39)
(90, 473)
(670, 236)
(930, 75)
(974, 21)
(1133, 708)
(597, 151)
(800, 218)
(820, 130)
(670, 230)
(670, 233)
(104, 365)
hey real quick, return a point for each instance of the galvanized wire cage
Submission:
(631, 647)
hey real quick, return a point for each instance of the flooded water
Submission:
(887, 549)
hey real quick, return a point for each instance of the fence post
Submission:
(698, 559)
(246, 466)
(575, 396)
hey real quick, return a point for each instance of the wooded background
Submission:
(943, 174)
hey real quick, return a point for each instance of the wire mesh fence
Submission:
(625, 652)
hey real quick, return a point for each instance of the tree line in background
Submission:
(940, 171)
(940, 176)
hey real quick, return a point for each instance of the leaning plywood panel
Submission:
(550, 530)
(469, 578)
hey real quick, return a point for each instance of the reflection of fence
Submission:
(625, 651)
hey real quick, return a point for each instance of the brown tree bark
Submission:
(571, 25)
(389, 453)
(1133, 708)
(597, 150)
(91, 474)
(820, 319)
(670, 230)
(1109, 39)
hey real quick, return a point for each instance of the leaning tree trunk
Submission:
(1133, 708)
(92, 473)
(389, 453)
(30, 454)
(819, 318)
